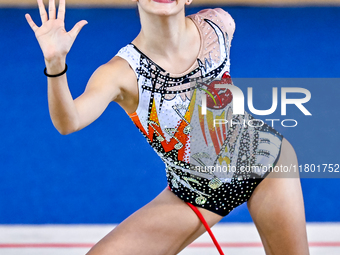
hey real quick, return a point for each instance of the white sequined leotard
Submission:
(205, 162)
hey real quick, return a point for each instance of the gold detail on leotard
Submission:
(225, 159)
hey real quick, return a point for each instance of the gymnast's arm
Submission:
(105, 85)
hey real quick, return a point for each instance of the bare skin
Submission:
(277, 209)
(166, 225)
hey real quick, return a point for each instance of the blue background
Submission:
(105, 172)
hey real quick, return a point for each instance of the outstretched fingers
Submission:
(51, 9)
(61, 10)
(42, 11)
(31, 22)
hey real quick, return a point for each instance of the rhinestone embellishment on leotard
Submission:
(200, 200)
(169, 117)
(215, 183)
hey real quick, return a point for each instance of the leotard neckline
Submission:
(193, 67)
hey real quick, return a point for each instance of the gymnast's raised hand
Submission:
(55, 42)
(69, 115)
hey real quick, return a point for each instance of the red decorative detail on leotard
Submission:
(221, 98)
(154, 129)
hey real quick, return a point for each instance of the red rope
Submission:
(200, 216)
(205, 224)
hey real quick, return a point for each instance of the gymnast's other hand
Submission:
(55, 42)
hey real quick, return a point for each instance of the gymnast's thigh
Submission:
(162, 226)
(277, 209)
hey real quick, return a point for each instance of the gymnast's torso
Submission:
(210, 163)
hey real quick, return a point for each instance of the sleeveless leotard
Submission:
(209, 164)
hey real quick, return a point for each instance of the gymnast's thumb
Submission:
(77, 27)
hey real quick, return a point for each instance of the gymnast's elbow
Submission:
(65, 131)
(66, 128)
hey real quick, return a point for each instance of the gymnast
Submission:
(172, 80)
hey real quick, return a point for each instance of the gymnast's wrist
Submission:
(55, 66)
